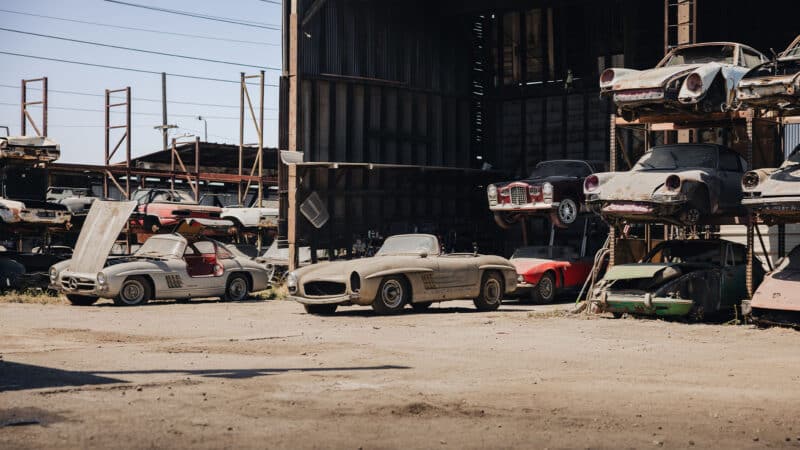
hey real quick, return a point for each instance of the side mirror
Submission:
(423, 254)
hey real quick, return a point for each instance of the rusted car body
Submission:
(157, 208)
(696, 78)
(774, 84)
(676, 183)
(543, 272)
(409, 269)
(777, 298)
(774, 193)
(554, 189)
(29, 148)
(23, 190)
(695, 278)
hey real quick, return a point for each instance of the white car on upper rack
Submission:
(690, 78)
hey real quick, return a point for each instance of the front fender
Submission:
(707, 73)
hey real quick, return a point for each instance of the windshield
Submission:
(409, 244)
(162, 195)
(164, 246)
(561, 168)
(678, 157)
(793, 51)
(686, 252)
(722, 54)
(545, 252)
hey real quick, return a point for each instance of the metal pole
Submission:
(242, 87)
(172, 165)
(22, 106)
(750, 218)
(197, 168)
(44, 106)
(261, 143)
(164, 139)
(128, 143)
(108, 115)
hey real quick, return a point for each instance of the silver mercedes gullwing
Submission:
(166, 266)
(408, 269)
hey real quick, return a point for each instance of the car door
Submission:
(456, 276)
(730, 175)
(733, 288)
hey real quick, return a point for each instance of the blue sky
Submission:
(81, 132)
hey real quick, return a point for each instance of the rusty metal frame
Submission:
(126, 138)
(192, 178)
(25, 116)
(258, 123)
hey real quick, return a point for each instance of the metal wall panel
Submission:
(791, 137)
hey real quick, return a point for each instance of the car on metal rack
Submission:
(29, 148)
(679, 278)
(676, 183)
(158, 208)
(167, 266)
(775, 83)
(553, 189)
(776, 301)
(23, 201)
(246, 217)
(77, 200)
(408, 269)
(774, 193)
(544, 272)
(690, 78)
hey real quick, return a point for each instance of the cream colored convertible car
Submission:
(408, 268)
(173, 266)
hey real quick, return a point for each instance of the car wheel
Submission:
(696, 209)
(491, 292)
(421, 306)
(545, 290)
(566, 213)
(81, 300)
(504, 220)
(321, 310)
(134, 291)
(236, 289)
(393, 293)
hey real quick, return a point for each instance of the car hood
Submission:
(640, 185)
(100, 230)
(525, 265)
(642, 270)
(782, 182)
(652, 78)
(777, 291)
(341, 270)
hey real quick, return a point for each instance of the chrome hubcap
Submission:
(132, 292)
(491, 291)
(567, 210)
(237, 289)
(392, 294)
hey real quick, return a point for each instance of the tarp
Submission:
(100, 230)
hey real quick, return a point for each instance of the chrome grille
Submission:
(77, 284)
(324, 288)
(519, 195)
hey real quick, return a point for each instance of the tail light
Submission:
(607, 76)
(750, 180)
(694, 83)
(591, 183)
(218, 270)
(673, 182)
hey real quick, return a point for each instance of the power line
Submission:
(246, 23)
(153, 100)
(192, 116)
(152, 52)
(130, 69)
(122, 27)
(271, 2)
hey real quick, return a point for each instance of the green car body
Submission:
(679, 278)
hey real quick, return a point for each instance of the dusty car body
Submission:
(695, 278)
(554, 188)
(697, 78)
(407, 269)
(543, 272)
(776, 300)
(676, 183)
(774, 193)
(252, 216)
(157, 208)
(23, 200)
(77, 200)
(166, 266)
(29, 148)
(774, 84)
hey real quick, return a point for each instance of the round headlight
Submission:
(607, 76)
(673, 182)
(547, 189)
(750, 180)
(694, 83)
(520, 279)
(101, 278)
(53, 274)
(591, 183)
(291, 280)
(492, 191)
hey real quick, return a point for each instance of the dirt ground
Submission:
(266, 375)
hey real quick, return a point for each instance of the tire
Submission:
(545, 290)
(504, 220)
(151, 224)
(566, 213)
(81, 300)
(491, 294)
(135, 291)
(321, 310)
(421, 306)
(392, 296)
(236, 289)
(697, 208)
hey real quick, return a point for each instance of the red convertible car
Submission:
(554, 188)
(544, 272)
(158, 208)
